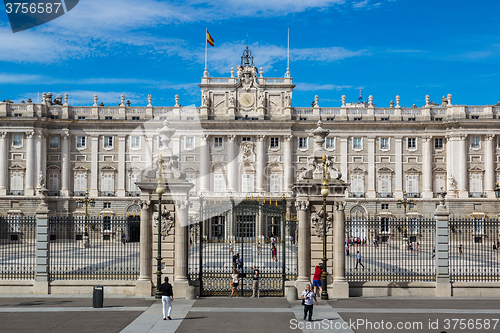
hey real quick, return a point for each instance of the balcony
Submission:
(107, 193)
(79, 193)
(53, 193)
(477, 195)
(413, 195)
(357, 195)
(16, 192)
(385, 194)
(134, 193)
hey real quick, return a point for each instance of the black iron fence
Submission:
(389, 249)
(17, 247)
(473, 249)
(103, 247)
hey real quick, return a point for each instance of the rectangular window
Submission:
(218, 142)
(384, 224)
(17, 140)
(412, 143)
(358, 184)
(274, 183)
(17, 181)
(80, 182)
(189, 142)
(476, 183)
(108, 142)
(106, 223)
(474, 142)
(54, 142)
(385, 206)
(438, 143)
(275, 142)
(384, 143)
(412, 184)
(136, 118)
(330, 143)
(107, 182)
(108, 117)
(132, 187)
(385, 184)
(135, 142)
(53, 182)
(439, 183)
(302, 143)
(80, 142)
(357, 143)
(106, 205)
(81, 117)
(219, 183)
(246, 139)
(246, 183)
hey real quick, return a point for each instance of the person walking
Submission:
(234, 283)
(308, 297)
(167, 297)
(317, 279)
(358, 260)
(231, 248)
(255, 278)
(235, 258)
(460, 249)
(239, 262)
(273, 251)
(433, 252)
(258, 248)
(347, 249)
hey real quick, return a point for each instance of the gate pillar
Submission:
(340, 286)
(304, 245)
(443, 285)
(181, 243)
(144, 285)
(41, 284)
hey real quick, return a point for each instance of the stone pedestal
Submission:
(443, 285)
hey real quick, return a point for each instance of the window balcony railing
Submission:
(16, 192)
(476, 195)
(79, 193)
(413, 195)
(53, 193)
(357, 195)
(385, 194)
(134, 193)
(107, 193)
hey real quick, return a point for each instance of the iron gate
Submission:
(250, 229)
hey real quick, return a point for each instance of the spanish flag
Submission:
(210, 40)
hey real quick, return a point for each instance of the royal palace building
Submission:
(248, 139)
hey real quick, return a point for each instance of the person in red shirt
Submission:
(317, 278)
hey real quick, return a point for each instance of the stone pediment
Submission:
(108, 168)
(385, 170)
(190, 169)
(54, 167)
(412, 170)
(81, 168)
(358, 170)
(17, 167)
(438, 169)
(476, 169)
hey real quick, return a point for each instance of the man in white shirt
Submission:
(309, 298)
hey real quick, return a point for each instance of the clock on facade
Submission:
(246, 100)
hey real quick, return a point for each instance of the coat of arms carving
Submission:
(247, 154)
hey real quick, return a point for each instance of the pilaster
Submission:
(231, 163)
(427, 191)
(204, 164)
(30, 165)
(261, 163)
(304, 242)
(371, 168)
(4, 167)
(489, 166)
(144, 285)
(94, 175)
(288, 165)
(122, 174)
(398, 156)
(340, 286)
(462, 167)
(65, 166)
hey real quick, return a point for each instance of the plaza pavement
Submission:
(74, 313)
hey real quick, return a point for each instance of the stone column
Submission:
(344, 169)
(489, 166)
(427, 191)
(371, 168)
(462, 167)
(30, 164)
(4, 167)
(204, 165)
(41, 285)
(94, 167)
(398, 156)
(43, 161)
(339, 285)
(122, 173)
(288, 165)
(450, 180)
(38, 155)
(304, 245)
(261, 163)
(231, 164)
(181, 281)
(149, 152)
(65, 166)
(443, 286)
(144, 285)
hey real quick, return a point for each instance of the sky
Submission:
(385, 48)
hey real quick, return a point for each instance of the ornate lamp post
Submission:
(81, 202)
(159, 190)
(324, 192)
(405, 202)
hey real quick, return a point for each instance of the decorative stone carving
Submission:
(453, 183)
(167, 222)
(247, 77)
(181, 204)
(397, 100)
(3, 135)
(302, 205)
(308, 174)
(95, 100)
(177, 100)
(340, 205)
(65, 133)
(232, 100)
(261, 99)
(288, 100)
(343, 100)
(123, 100)
(247, 154)
(29, 134)
(41, 180)
(288, 138)
(150, 98)
(231, 137)
(145, 204)
(204, 99)
(317, 222)
(319, 134)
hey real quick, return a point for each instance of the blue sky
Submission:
(385, 47)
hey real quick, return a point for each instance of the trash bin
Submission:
(98, 296)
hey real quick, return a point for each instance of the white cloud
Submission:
(315, 87)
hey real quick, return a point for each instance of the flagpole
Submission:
(288, 55)
(206, 46)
